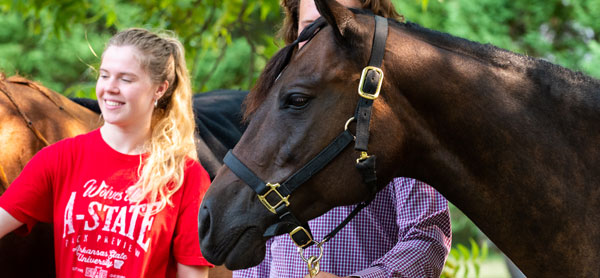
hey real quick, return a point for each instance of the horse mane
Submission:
(265, 81)
(275, 66)
(491, 54)
(487, 53)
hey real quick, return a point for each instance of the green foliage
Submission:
(465, 262)
(228, 42)
(463, 230)
(209, 30)
(58, 63)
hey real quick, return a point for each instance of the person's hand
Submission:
(323, 275)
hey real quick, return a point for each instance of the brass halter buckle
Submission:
(363, 157)
(363, 77)
(283, 200)
(298, 230)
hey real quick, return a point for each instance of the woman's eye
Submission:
(298, 100)
(126, 80)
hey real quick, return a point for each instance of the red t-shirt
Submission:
(79, 185)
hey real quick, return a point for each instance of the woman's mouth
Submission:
(113, 104)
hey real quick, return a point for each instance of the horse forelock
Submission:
(279, 62)
(275, 67)
(266, 80)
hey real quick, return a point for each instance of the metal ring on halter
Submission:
(347, 124)
(301, 251)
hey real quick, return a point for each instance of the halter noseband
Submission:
(275, 196)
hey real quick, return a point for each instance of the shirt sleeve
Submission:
(186, 242)
(424, 234)
(29, 198)
(261, 270)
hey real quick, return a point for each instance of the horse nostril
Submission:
(203, 221)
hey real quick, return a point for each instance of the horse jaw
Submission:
(224, 209)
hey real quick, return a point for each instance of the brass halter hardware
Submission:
(303, 230)
(283, 200)
(363, 156)
(363, 77)
(312, 261)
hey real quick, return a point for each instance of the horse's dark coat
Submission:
(511, 140)
(218, 116)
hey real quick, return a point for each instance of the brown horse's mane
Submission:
(266, 79)
(486, 53)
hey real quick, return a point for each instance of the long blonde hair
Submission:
(172, 128)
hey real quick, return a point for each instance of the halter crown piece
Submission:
(275, 196)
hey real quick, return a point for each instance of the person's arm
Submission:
(424, 236)
(7, 223)
(29, 197)
(191, 271)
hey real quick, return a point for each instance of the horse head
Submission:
(304, 98)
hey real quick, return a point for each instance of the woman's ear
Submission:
(160, 91)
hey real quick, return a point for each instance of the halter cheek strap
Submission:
(275, 197)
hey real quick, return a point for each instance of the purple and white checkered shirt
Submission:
(404, 232)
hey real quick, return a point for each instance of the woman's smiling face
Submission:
(125, 92)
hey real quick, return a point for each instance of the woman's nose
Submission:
(112, 86)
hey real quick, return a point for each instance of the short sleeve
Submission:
(29, 198)
(186, 243)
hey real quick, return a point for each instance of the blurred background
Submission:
(228, 42)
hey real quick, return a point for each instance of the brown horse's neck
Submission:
(36, 117)
(510, 140)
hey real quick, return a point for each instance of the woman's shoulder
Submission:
(196, 179)
(70, 144)
(194, 168)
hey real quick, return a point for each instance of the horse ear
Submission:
(339, 17)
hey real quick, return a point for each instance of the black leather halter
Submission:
(275, 196)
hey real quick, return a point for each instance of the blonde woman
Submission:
(124, 198)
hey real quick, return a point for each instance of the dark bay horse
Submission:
(511, 140)
(32, 116)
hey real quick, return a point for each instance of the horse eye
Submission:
(298, 100)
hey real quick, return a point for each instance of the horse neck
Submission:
(503, 138)
(67, 119)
